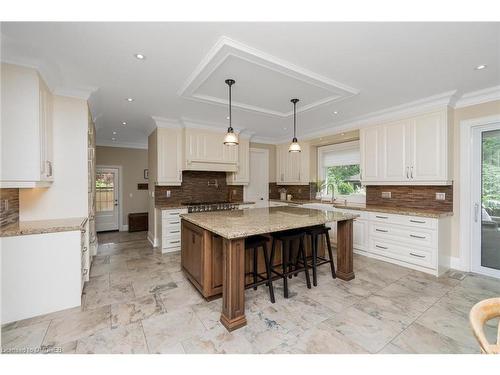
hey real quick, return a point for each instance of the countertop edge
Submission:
(51, 226)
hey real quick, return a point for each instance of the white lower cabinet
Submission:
(170, 234)
(420, 243)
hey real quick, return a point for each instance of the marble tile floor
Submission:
(138, 301)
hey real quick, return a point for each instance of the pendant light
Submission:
(230, 139)
(294, 146)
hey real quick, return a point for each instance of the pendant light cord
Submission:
(294, 120)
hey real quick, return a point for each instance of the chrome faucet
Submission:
(332, 186)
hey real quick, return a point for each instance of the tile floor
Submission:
(138, 301)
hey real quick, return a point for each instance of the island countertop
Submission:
(245, 223)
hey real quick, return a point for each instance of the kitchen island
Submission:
(213, 271)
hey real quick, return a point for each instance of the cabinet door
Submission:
(372, 155)
(280, 164)
(429, 147)
(292, 169)
(46, 131)
(242, 177)
(396, 153)
(169, 149)
(359, 234)
(304, 164)
(192, 251)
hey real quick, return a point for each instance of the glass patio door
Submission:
(486, 200)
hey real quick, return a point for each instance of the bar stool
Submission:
(287, 238)
(254, 243)
(316, 233)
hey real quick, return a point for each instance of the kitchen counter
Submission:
(43, 226)
(245, 223)
(375, 208)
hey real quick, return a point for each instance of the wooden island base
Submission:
(217, 265)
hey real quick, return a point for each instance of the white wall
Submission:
(67, 197)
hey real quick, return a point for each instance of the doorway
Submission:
(258, 187)
(485, 194)
(107, 199)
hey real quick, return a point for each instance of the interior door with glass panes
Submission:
(485, 248)
(107, 209)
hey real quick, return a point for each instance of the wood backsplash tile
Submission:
(9, 212)
(419, 197)
(195, 189)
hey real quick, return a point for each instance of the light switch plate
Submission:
(168, 193)
(386, 194)
(440, 196)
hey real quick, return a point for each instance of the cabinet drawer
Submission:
(410, 235)
(414, 221)
(171, 231)
(171, 222)
(168, 242)
(421, 256)
(167, 214)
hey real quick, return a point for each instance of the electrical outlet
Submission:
(168, 193)
(386, 194)
(235, 192)
(440, 196)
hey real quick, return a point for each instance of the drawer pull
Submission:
(85, 271)
(415, 236)
(174, 222)
(175, 241)
(174, 231)
(416, 255)
(381, 230)
(173, 213)
(381, 217)
(417, 221)
(381, 247)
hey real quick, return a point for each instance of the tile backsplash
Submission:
(9, 206)
(297, 191)
(419, 197)
(195, 188)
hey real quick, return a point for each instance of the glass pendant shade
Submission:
(294, 146)
(230, 138)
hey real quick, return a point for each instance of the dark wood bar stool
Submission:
(299, 264)
(255, 243)
(316, 233)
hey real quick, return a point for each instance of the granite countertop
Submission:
(364, 207)
(43, 226)
(180, 205)
(244, 223)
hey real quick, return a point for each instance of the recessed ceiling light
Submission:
(139, 56)
(335, 112)
(124, 122)
(130, 99)
(481, 67)
(285, 128)
(113, 139)
(114, 133)
(227, 117)
(342, 134)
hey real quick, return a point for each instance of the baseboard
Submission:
(124, 228)
(456, 264)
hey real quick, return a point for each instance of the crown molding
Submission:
(478, 97)
(169, 123)
(416, 107)
(117, 144)
(226, 47)
(77, 93)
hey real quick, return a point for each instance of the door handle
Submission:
(476, 212)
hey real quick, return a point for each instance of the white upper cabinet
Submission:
(292, 168)
(413, 151)
(205, 151)
(242, 176)
(26, 139)
(170, 156)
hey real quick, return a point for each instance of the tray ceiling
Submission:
(264, 83)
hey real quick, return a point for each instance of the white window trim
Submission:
(358, 198)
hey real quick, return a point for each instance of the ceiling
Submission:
(353, 69)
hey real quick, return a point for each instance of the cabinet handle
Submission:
(173, 213)
(175, 231)
(282, 177)
(417, 221)
(415, 236)
(84, 249)
(49, 168)
(174, 222)
(381, 230)
(175, 241)
(417, 256)
(85, 271)
(407, 173)
(381, 217)
(381, 247)
(360, 174)
(411, 172)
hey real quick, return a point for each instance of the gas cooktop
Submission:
(210, 206)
